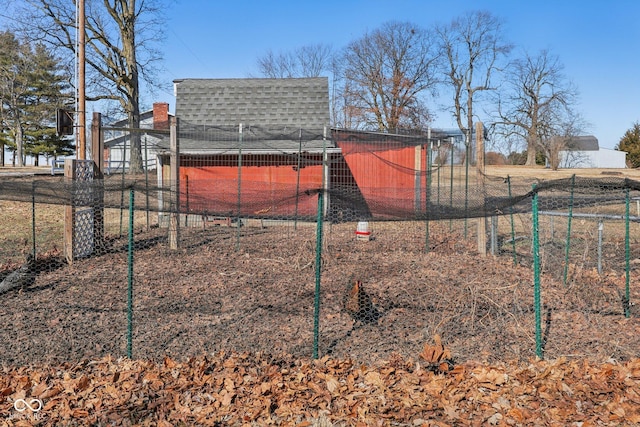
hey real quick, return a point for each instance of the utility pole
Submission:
(81, 133)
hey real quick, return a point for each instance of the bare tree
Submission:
(306, 61)
(537, 105)
(385, 75)
(473, 48)
(346, 110)
(121, 36)
(557, 130)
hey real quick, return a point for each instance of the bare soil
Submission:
(254, 290)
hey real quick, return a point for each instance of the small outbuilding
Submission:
(585, 152)
(253, 144)
(117, 141)
(262, 148)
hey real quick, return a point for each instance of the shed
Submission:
(255, 143)
(585, 152)
(262, 147)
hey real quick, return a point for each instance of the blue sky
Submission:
(597, 41)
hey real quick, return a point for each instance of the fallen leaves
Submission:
(437, 356)
(244, 389)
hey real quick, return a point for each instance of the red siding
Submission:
(268, 190)
(385, 174)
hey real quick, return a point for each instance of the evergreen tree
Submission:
(13, 89)
(32, 87)
(48, 91)
(630, 143)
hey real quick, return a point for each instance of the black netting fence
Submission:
(315, 253)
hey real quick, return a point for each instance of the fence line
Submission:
(296, 242)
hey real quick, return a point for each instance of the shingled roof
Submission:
(583, 143)
(276, 114)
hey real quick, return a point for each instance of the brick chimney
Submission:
(161, 115)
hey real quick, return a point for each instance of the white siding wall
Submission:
(114, 155)
(603, 158)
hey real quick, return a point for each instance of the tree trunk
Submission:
(133, 88)
(531, 156)
(19, 148)
(135, 165)
(532, 136)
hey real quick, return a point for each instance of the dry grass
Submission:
(16, 225)
(545, 174)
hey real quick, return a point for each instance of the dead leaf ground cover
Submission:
(231, 389)
(214, 296)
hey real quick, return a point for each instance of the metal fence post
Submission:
(536, 272)
(600, 233)
(174, 215)
(316, 304)
(33, 217)
(428, 194)
(239, 202)
(513, 229)
(627, 296)
(130, 279)
(568, 242)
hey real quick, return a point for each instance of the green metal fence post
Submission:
(627, 296)
(239, 207)
(451, 186)
(568, 242)
(124, 160)
(130, 280)
(316, 303)
(513, 228)
(146, 181)
(438, 165)
(536, 273)
(33, 217)
(428, 196)
(298, 168)
(466, 180)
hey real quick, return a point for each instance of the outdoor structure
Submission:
(256, 141)
(585, 152)
(389, 171)
(262, 148)
(117, 142)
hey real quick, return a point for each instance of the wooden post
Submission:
(482, 225)
(417, 166)
(97, 151)
(69, 210)
(174, 215)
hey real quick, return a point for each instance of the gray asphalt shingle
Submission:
(210, 111)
